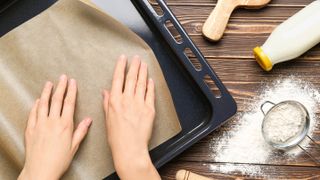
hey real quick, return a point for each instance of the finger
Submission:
(70, 101)
(57, 98)
(80, 133)
(132, 76)
(32, 120)
(118, 76)
(142, 81)
(44, 101)
(106, 96)
(150, 96)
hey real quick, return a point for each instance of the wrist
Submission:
(138, 168)
(139, 160)
(128, 163)
(26, 175)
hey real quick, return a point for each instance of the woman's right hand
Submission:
(130, 112)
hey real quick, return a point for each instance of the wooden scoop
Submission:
(216, 23)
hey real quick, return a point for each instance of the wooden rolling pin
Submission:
(216, 23)
(187, 175)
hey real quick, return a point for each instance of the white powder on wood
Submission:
(244, 142)
(243, 169)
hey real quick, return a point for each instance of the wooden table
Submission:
(233, 61)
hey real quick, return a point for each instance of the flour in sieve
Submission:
(284, 123)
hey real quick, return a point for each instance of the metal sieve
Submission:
(289, 119)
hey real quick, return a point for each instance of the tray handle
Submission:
(179, 49)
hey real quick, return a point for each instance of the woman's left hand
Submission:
(50, 139)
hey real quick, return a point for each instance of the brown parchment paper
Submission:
(72, 38)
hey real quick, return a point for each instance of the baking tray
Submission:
(4, 4)
(199, 109)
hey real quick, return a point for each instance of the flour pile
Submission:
(245, 141)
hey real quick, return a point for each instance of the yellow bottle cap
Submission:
(262, 59)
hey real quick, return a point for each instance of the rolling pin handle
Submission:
(217, 21)
(187, 175)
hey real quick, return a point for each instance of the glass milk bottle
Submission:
(292, 38)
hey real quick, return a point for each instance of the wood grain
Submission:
(232, 60)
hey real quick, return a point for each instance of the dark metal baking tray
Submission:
(4, 4)
(200, 111)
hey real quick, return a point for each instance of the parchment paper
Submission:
(73, 38)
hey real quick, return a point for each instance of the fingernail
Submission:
(136, 56)
(104, 92)
(63, 77)
(135, 59)
(122, 56)
(37, 101)
(72, 82)
(48, 83)
(88, 122)
(144, 65)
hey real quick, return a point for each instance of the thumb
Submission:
(106, 96)
(80, 133)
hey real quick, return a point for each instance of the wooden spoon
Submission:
(216, 23)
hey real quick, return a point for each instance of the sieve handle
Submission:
(311, 153)
(262, 105)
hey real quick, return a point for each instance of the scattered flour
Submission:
(243, 169)
(245, 143)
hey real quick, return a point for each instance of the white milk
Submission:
(292, 38)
